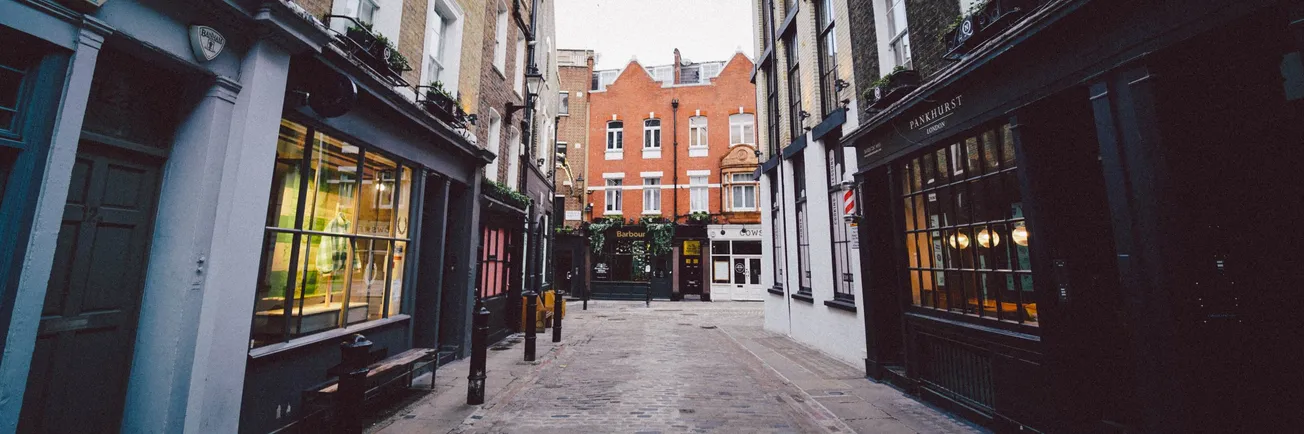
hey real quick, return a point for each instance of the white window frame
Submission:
(615, 140)
(739, 188)
(514, 156)
(697, 132)
(651, 138)
(519, 85)
(495, 141)
(447, 17)
(612, 196)
(652, 195)
(500, 39)
(699, 199)
(899, 38)
(739, 124)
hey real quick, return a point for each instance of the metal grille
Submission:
(961, 371)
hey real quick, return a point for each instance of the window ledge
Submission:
(616, 212)
(775, 290)
(304, 341)
(806, 297)
(651, 153)
(615, 155)
(849, 306)
(698, 152)
(651, 212)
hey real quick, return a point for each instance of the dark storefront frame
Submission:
(1073, 372)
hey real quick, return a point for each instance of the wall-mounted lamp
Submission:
(804, 114)
(840, 84)
(472, 118)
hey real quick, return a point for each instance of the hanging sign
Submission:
(206, 42)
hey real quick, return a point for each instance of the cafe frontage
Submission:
(1062, 237)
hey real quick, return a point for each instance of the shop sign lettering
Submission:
(630, 234)
(747, 232)
(932, 120)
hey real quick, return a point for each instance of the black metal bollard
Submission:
(355, 358)
(479, 350)
(557, 303)
(531, 309)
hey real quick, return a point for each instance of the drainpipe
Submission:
(674, 110)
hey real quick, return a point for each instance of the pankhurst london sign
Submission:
(934, 119)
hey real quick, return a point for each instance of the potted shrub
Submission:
(891, 87)
(362, 35)
(439, 102)
(699, 218)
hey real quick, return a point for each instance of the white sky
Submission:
(702, 30)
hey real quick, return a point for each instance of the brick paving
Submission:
(678, 368)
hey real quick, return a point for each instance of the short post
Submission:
(557, 304)
(479, 350)
(531, 309)
(355, 358)
(648, 293)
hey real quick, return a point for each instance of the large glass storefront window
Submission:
(624, 256)
(736, 262)
(966, 239)
(337, 237)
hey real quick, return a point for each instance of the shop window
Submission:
(623, 259)
(772, 107)
(736, 262)
(777, 232)
(613, 196)
(15, 65)
(843, 280)
(337, 237)
(742, 129)
(742, 192)
(966, 238)
(803, 237)
(697, 194)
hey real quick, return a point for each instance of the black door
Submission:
(660, 278)
(83, 352)
(690, 268)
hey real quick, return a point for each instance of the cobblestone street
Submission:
(674, 367)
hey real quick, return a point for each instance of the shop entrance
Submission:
(82, 359)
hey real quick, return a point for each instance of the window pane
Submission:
(395, 299)
(404, 206)
(334, 170)
(286, 176)
(379, 183)
(366, 294)
(319, 297)
(747, 247)
(269, 300)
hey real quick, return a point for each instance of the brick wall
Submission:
(573, 129)
(928, 19)
(864, 43)
(317, 8)
(496, 88)
(631, 99)
(473, 34)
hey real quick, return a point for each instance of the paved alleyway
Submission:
(674, 367)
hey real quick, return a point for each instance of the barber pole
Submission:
(849, 202)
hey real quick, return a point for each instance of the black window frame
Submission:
(843, 279)
(990, 180)
(772, 107)
(828, 51)
(778, 226)
(793, 59)
(803, 224)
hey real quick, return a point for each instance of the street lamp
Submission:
(533, 80)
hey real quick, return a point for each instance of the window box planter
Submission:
(444, 108)
(892, 87)
(982, 22)
(372, 50)
(505, 194)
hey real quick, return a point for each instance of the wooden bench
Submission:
(394, 372)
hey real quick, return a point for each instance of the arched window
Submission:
(652, 134)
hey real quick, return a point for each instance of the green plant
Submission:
(881, 82)
(598, 232)
(437, 88)
(700, 217)
(563, 230)
(662, 235)
(959, 19)
(397, 62)
(507, 194)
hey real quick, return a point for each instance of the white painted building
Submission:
(805, 98)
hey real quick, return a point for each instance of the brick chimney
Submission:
(676, 66)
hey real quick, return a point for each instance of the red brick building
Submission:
(678, 142)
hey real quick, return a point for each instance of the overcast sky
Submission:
(651, 30)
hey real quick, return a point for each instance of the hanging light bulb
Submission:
(988, 239)
(1020, 235)
(960, 241)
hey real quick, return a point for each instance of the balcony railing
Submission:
(982, 22)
